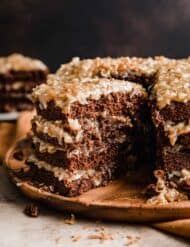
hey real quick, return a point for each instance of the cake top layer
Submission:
(16, 62)
(173, 82)
(107, 67)
(64, 93)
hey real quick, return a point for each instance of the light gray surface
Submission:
(9, 116)
(50, 229)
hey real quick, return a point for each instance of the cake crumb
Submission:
(71, 220)
(75, 238)
(99, 229)
(132, 240)
(18, 155)
(162, 193)
(102, 236)
(85, 227)
(31, 210)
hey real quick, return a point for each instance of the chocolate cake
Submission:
(97, 118)
(18, 75)
(170, 104)
(90, 125)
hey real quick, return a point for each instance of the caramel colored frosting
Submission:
(173, 82)
(175, 130)
(65, 93)
(56, 129)
(106, 67)
(18, 62)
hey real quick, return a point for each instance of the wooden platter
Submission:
(121, 200)
(12, 129)
(7, 137)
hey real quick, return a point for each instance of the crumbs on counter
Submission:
(75, 238)
(132, 240)
(32, 210)
(101, 235)
(70, 220)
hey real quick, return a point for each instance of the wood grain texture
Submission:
(177, 227)
(122, 200)
(12, 131)
(7, 136)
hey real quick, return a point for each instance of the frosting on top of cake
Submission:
(18, 62)
(173, 82)
(64, 93)
(107, 67)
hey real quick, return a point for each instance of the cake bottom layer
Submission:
(174, 161)
(67, 184)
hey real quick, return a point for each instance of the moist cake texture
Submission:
(90, 124)
(170, 103)
(18, 75)
(93, 135)
(97, 118)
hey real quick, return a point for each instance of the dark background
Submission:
(56, 30)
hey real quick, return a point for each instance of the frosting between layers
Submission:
(182, 175)
(56, 129)
(84, 150)
(17, 85)
(45, 146)
(173, 83)
(66, 175)
(18, 62)
(81, 150)
(65, 93)
(174, 131)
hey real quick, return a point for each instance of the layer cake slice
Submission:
(86, 132)
(18, 75)
(170, 103)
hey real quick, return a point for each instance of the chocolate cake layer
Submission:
(64, 185)
(173, 160)
(172, 157)
(171, 116)
(87, 153)
(85, 135)
(175, 113)
(102, 129)
(87, 124)
(18, 76)
(113, 129)
(93, 122)
(123, 104)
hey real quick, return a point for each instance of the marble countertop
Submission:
(51, 229)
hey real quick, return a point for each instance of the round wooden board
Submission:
(121, 200)
(7, 136)
(12, 130)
